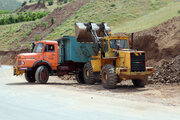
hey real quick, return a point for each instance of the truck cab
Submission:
(44, 55)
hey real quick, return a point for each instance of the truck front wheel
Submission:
(139, 82)
(88, 74)
(108, 77)
(42, 75)
(30, 76)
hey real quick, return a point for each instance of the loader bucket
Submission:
(83, 31)
(82, 34)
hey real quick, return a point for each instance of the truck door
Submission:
(50, 55)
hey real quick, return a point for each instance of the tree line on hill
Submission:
(22, 17)
(50, 2)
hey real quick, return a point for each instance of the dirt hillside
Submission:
(60, 15)
(33, 7)
(160, 42)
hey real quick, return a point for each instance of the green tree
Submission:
(50, 2)
(24, 3)
(52, 20)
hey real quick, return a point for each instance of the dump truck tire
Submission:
(139, 82)
(30, 76)
(88, 74)
(42, 75)
(108, 77)
(80, 77)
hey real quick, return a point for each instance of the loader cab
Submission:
(112, 44)
(118, 43)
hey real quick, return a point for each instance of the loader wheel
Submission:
(139, 82)
(30, 76)
(108, 77)
(42, 75)
(80, 77)
(88, 74)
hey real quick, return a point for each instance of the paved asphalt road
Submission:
(22, 101)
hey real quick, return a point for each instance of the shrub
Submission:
(24, 3)
(52, 28)
(24, 36)
(18, 45)
(50, 2)
(37, 24)
(4, 12)
(29, 32)
(179, 11)
(21, 17)
(65, 1)
(45, 24)
(37, 37)
(52, 20)
(113, 5)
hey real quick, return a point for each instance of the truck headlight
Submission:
(22, 63)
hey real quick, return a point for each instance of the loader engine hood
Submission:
(135, 60)
(29, 56)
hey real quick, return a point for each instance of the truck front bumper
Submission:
(124, 73)
(20, 70)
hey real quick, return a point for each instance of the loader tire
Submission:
(30, 76)
(42, 75)
(88, 74)
(139, 82)
(108, 77)
(80, 77)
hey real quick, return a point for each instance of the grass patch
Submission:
(115, 13)
(149, 20)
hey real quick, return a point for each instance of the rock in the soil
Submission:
(168, 71)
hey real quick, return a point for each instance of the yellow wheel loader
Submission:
(114, 60)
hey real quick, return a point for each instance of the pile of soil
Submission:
(160, 42)
(9, 57)
(162, 47)
(168, 71)
(33, 7)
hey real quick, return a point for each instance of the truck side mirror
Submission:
(33, 45)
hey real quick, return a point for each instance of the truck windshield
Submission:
(118, 44)
(38, 48)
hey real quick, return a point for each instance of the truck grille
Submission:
(137, 62)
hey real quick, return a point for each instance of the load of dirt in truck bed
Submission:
(33, 7)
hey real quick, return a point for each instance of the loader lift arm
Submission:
(91, 32)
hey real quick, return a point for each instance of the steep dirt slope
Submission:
(33, 7)
(60, 15)
(160, 42)
(9, 57)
